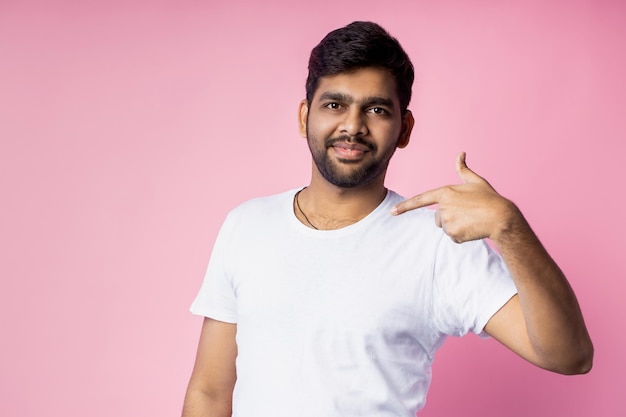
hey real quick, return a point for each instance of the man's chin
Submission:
(348, 181)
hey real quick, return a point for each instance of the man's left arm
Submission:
(543, 322)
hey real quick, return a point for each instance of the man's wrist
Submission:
(511, 224)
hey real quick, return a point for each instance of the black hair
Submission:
(360, 45)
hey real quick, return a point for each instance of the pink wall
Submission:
(128, 131)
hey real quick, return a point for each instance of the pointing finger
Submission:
(421, 200)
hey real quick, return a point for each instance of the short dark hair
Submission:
(360, 45)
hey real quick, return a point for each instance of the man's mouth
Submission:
(349, 150)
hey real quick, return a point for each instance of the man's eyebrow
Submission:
(336, 96)
(345, 98)
(378, 101)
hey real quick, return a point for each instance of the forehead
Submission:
(360, 84)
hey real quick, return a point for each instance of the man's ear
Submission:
(303, 112)
(407, 126)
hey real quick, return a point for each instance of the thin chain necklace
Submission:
(302, 212)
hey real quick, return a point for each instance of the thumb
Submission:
(466, 174)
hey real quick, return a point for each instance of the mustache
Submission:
(350, 139)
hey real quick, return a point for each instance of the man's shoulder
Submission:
(261, 209)
(265, 202)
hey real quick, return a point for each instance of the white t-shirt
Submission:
(343, 322)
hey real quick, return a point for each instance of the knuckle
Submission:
(446, 190)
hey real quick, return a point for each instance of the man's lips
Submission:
(349, 150)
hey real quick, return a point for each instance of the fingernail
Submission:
(394, 210)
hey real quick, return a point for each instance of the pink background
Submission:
(129, 129)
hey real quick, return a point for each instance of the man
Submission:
(332, 300)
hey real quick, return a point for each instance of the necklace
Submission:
(302, 212)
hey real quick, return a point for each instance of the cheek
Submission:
(390, 132)
(319, 126)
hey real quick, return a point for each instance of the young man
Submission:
(332, 300)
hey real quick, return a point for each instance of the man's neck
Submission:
(325, 206)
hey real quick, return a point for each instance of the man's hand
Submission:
(468, 211)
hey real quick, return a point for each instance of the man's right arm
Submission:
(210, 389)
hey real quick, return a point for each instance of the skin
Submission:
(362, 106)
(210, 389)
(543, 323)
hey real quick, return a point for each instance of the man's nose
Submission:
(354, 123)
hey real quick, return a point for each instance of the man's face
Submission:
(354, 125)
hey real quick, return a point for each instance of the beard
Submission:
(339, 173)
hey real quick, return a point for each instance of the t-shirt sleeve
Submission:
(471, 283)
(216, 298)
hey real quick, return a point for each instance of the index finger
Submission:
(425, 199)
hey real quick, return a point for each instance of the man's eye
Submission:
(378, 110)
(333, 106)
